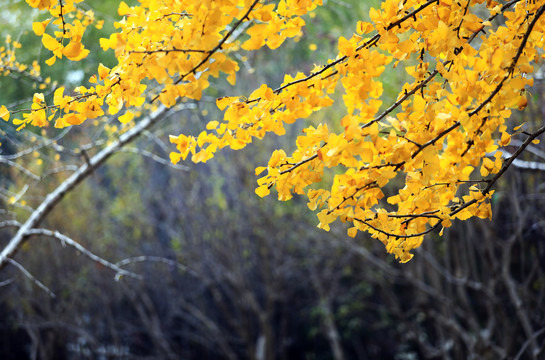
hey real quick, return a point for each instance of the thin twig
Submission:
(153, 157)
(30, 277)
(146, 258)
(6, 282)
(68, 241)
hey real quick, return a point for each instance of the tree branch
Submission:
(30, 277)
(68, 185)
(66, 240)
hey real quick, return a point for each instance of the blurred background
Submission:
(228, 275)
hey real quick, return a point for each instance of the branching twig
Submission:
(153, 157)
(37, 147)
(20, 168)
(66, 186)
(68, 241)
(508, 163)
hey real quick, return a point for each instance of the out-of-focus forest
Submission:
(225, 274)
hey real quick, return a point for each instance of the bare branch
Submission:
(6, 282)
(530, 148)
(153, 157)
(37, 147)
(523, 164)
(508, 163)
(10, 223)
(19, 167)
(29, 276)
(59, 169)
(158, 259)
(523, 348)
(66, 240)
(83, 172)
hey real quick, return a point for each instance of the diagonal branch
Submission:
(70, 183)
(66, 240)
(22, 269)
(154, 157)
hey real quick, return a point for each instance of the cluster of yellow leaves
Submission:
(176, 44)
(70, 23)
(468, 71)
(10, 65)
(467, 74)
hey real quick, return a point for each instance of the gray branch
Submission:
(68, 185)
(68, 241)
(22, 269)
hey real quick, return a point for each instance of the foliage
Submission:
(470, 62)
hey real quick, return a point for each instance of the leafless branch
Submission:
(10, 223)
(513, 157)
(68, 241)
(158, 259)
(30, 150)
(6, 282)
(30, 277)
(59, 169)
(19, 167)
(523, 164)
(153, 157)
(523, 348)
(83, 172)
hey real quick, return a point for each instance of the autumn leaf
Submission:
(4, 113)
(75, 51)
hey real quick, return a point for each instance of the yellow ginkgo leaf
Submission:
(73, 50)
(262, 191)
(39, 27)
(75, 119)
(123, 9)
(103, 71)
(38, 98)
(4, 113)
(50, 43)
(125, 118)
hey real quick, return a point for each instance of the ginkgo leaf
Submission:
(212, 125)
(74, 119)
(175, 157)
(4, 113)
(123, 8)
(262, 191)
(259, 170)
(50, 43)
(125, 118)
(39, 27)
(38, 98)
(103, 71)
(75, 51)
(51, 60)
